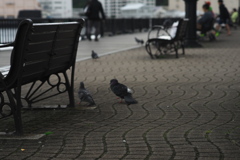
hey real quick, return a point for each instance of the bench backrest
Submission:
(43, 49)
(181, 29)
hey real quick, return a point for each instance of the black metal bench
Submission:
(164, 42)
(40, 51)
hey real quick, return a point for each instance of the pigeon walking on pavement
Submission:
(84, 95)
(122, 91)
(94, 55)
(139, 41)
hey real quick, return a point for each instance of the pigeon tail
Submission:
(89, 99)
(130, 100)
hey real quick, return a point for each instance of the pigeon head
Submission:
(113, 82)
(82, 85)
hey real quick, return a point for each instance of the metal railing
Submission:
(109, 27)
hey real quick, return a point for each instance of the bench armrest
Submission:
(154, 28)
(157, 27)
(7, 45)
(1, 76)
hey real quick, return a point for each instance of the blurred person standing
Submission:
(94, 20)
(224, 18)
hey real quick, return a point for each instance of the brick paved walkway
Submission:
(189, 108)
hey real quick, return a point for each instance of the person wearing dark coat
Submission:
(224, 17)
(94, 20)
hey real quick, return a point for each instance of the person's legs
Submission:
(217, 29)
(97, 29)
(228, 27)
(89, 29)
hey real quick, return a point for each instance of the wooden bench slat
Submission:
(37, 56)
(46, 36)
(61, 50)
(62, 43)
(34, 38)
(67, 34)
(37, 47)
(44, 28)
(67, 27)
(48, 27)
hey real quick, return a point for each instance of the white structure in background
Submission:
(159, 12)
(10, 8)
(56, 8)
(137, 10)
(112, 7)
(146, 2)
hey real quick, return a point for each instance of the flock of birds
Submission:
(120, 90)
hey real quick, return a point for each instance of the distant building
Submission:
(11, 8)
(56, 8)
(112, 7)
(146, 2)
(137, 10)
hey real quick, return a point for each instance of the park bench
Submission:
(43, 54)
(167, 40)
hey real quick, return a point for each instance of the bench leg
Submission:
(183, 48)
(18, 121)
(176, 49)
(176, 53)
(148, 49)
(70, 88)
(15, 107)
(17, 113)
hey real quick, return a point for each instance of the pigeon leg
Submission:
(121, 101)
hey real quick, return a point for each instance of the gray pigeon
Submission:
(84, 95)
(122, 91)
(94, 55)
(139, 41)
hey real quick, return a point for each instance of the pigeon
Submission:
(122, 91)
(139, 40)
(84, 95)
(94, 55)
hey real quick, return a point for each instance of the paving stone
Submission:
(188, 109)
